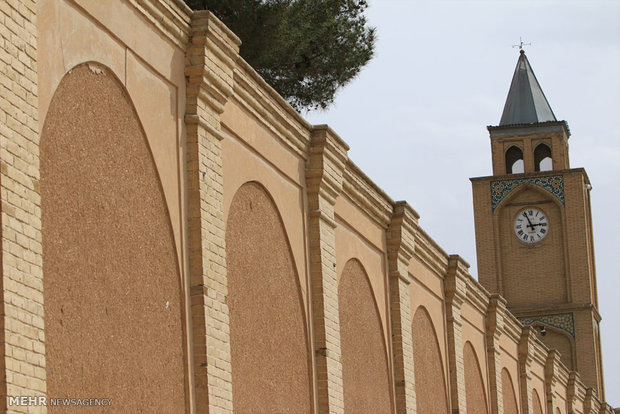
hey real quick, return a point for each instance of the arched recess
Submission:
(365, 373)
(542, 158)
(514, 160)
(541, 265)
(537, 406)
(508, 394)
(268, 337)
(430, 389)
(559, 340)
(475, 395)
(112, 292)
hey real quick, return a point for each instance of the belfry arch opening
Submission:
(514, 161)
(542, 158)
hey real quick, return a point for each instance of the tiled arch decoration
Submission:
(562, 321)
(554, 184)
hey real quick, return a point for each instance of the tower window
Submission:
(514, 160)
(542, 158)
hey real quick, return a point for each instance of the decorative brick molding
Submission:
(456, 295)
(22, 355)
(324, 178)
(401, 247)
(210, 62)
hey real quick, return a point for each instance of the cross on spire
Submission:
(520, 45)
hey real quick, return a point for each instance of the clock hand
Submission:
(528, 220)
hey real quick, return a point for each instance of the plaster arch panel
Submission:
(114, 301)
(537, 407)
(349, 245)
(509, 395)
(475, 338)
(69, 36)
(365, 369)
(421, 294)
(475, 388)
(270, 358)
(429, 372)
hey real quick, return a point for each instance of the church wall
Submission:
(242, 164)
(509, 347)
(214, 129)
(431, 387)
(427, 293)
(359, 237)
(22, 353)
(365, 373)
(146, 63)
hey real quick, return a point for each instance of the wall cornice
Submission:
(170, 17)
(430, 253)
(366, 195)
(274, 112)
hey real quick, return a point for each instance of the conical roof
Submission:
(526, 103)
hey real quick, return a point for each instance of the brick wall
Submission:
(21, 330)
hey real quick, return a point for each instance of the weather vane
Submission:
(521, 44)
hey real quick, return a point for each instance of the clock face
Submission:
(531, 225)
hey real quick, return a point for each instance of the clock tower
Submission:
(534, 228)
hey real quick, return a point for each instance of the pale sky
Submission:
(416, 116)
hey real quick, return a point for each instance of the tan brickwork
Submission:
(324, 177)
(210, 62)
(456, 294)
(527, 138)
(401, 245)
(21, 327)
(561, 266)
(494, 330)
(526, 360)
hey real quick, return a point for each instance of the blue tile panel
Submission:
(554, 184)
(563, 321)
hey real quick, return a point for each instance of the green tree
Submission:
(305, 49)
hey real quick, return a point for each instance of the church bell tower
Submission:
(534, 228)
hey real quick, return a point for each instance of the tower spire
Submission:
(526, 103)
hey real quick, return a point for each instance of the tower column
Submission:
(401, 244)
(324, 179)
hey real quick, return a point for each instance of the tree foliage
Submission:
(305, 49)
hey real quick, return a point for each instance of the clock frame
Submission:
(531, 225)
